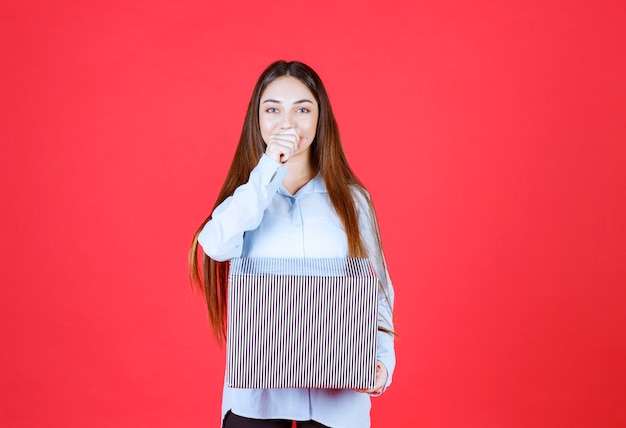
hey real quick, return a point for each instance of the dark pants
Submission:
(232, 420)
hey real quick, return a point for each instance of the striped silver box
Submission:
(301, 323)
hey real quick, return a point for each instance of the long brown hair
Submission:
(327, 158)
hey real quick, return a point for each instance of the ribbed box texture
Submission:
(301, 323)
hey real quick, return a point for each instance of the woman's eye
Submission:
(303, 110)
(271, 110)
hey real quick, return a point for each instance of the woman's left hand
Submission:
(381, 380)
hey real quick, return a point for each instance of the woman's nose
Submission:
(287, 121)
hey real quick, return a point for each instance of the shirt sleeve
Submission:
(222, 237)
(385, 352)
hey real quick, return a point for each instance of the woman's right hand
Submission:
(283, 144)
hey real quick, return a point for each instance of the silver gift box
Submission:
(301, 323)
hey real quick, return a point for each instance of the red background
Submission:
(490, 134)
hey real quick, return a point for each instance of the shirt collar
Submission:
(315, 185)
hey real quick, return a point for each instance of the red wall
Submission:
(491, 136)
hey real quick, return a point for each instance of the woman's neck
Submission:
(300, 172)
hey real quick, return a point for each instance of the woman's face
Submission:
(288, 107)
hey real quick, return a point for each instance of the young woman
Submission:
(290, 193)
